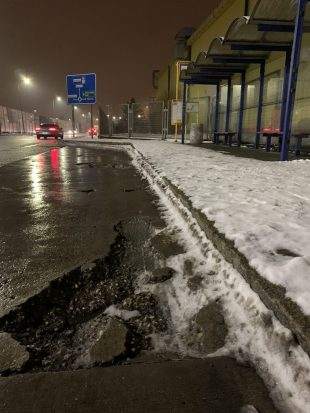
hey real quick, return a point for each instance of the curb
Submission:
(273, 296)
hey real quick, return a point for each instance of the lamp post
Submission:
(27, 82)
(56, 99)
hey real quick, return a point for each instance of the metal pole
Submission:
(228, 105)
(288, 56)
(177, 79)
(73, 121)
(184, 106)
(128, 120)
(260, 103)
(91, 122)
(289, 99)
(242, 95)
(216, 119)
(21, 108)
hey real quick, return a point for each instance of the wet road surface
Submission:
(57, 210)
(16, 147)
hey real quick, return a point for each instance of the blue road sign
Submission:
(81, 89)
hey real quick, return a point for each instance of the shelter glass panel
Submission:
(235, 103)
(250, 111)
(272, 100)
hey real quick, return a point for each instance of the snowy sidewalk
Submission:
(263, 207)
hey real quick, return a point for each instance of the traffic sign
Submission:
(81, 89)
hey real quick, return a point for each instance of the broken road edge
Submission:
(273, 296)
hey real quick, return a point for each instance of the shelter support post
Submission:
(289, 99)
(241, 109)
(216, 117)
(260, 103)
(284, 92)
(184, 107)
(228, 106)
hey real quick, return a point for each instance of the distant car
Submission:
(92, 131)
(49, 130)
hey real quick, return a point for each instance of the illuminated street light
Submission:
(59, 98)
(114, 118)
(83, 115)
(139, 116)
(26, 80)
(120, 118)
(75, 107)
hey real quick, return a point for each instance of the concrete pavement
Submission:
(215, 385)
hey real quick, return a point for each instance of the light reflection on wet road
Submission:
(58, 210)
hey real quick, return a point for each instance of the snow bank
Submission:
(264, 207)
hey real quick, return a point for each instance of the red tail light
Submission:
(38, 129)
(52, 129)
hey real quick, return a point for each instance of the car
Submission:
(49, 130)
(92, 131)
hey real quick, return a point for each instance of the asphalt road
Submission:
(58, 209)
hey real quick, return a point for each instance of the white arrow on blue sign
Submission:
(81, 89)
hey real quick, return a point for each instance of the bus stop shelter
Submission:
(273, 26)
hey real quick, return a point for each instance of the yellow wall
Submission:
(215, 26)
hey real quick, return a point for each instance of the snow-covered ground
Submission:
(264, 207)
(268, 346)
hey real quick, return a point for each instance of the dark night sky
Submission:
(122, 41)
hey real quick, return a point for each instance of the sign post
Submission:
(81, 90)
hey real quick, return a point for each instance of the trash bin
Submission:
(196, 134)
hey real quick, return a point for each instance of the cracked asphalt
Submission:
(58, 209)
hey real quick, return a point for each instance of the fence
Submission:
(17, 121)
(147, 119)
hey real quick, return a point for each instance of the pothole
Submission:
(89, 164)
(92, 315)
(87, 191)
